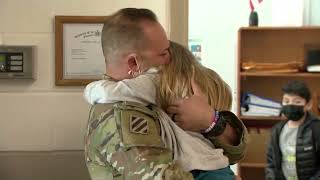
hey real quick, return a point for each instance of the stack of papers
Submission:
(253, 105)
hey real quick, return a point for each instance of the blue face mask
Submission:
(293, 112)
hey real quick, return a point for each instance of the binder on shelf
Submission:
(249, 98)
(253, 105)
(256, 110)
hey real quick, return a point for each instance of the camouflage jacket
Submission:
(123, 142)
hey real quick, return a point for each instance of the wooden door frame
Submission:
(178, 17)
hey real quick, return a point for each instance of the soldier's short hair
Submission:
(123, 31)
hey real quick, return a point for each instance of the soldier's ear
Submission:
(132, 62)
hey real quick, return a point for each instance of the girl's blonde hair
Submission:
(175, 80)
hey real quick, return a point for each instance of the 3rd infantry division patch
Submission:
(139, 125)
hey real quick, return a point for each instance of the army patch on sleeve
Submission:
(139, 125)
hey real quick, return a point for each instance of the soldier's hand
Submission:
(193, 113)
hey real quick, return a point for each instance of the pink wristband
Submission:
(214, 121)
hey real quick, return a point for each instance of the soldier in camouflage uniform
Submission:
(123, 139)
(112, 150)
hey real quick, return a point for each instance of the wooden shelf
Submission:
(270, 45)
(253, 165)
(270, 74)
(282, 28)
(260, 121)
(262, 118)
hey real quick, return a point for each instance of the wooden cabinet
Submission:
(270, 45)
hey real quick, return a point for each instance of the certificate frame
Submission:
(61, 23)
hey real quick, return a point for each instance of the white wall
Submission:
(312, 12)
(287, 12)
(37, 115)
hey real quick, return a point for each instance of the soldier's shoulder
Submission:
(136, 124)
(122, 130)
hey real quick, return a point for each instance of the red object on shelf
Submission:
(251, 4)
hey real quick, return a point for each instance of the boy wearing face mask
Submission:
(294, 149)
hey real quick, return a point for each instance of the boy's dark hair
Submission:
(297, 88)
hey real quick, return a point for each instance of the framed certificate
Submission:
(78, 53)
